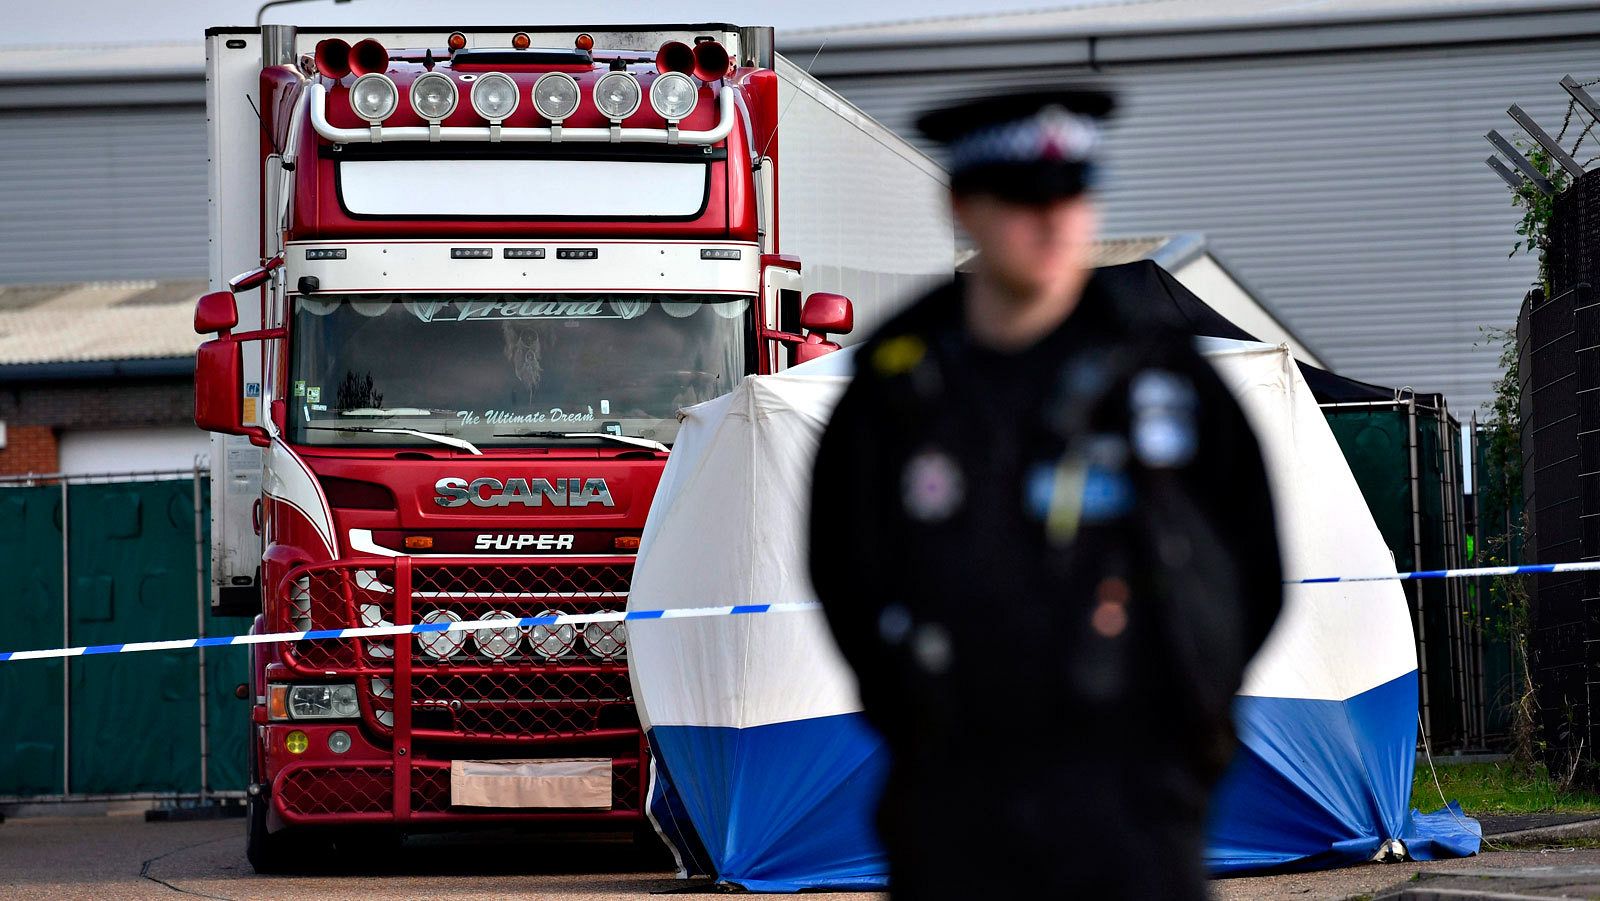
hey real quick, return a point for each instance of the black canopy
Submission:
(1146, 278)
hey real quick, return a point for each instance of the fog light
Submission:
(339, 741)
(553, 642)
(441, 645)
(296, 742)
(608, 640)
(498, 643)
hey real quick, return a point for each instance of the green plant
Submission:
(1537, 208)
(1509, 613)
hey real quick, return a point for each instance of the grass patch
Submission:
(1488, 788)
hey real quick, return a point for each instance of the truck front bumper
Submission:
(368, 784)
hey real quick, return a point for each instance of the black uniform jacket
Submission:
(1048, 570)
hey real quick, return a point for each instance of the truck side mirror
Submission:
(829, 314)
(218, 389)
(823, 314)
(216, 312)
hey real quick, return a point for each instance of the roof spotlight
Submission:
(617, 95)
(494, 96)
(673, 96)
(433, 96)
(555, 95)
(374, 97)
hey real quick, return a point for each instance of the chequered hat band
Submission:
(1053, 135)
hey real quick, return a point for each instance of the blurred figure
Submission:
(1042, 534)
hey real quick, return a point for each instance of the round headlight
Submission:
(433, 96)
(441, 645)
(555, 95)
(673, 96)
(617, 95)
(552, 642)
(494, 96)
(338, 741)
(609, 640)
(373, 97)
(497, 643)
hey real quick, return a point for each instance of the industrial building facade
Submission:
(1333, 160)
(1333, 157)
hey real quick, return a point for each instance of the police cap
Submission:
(1028, 147)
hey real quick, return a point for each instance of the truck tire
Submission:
(268, 852)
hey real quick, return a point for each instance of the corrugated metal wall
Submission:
(1347, 189)
(102, 193)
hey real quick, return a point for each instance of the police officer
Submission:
(1042, 534)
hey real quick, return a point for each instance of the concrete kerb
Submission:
(1589, 828)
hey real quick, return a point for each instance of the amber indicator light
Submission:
(419, 542)
(520, 40)
(456, 41)
(626, 543)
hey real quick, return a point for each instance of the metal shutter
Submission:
(1347, 189)
(103, 193)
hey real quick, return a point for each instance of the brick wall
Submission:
(29, 448)
(108, 404)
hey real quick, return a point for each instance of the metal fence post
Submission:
(200, 625)
(1416, 562)
(66, 642)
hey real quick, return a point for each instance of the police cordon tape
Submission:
(578, 619)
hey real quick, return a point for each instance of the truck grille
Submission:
(506, 685)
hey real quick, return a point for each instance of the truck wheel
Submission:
(268, 853)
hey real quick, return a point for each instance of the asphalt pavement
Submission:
(122, 856)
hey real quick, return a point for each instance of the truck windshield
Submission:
(509, 369)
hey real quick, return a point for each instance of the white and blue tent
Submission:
(1327, 716)
(765, 772)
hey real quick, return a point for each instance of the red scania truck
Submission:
(462, 280)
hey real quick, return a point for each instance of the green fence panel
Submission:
(1376, 444)
(133, 564)
(31, 717)
(227, 717)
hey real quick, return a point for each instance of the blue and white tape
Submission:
(1531, 569)
(577, 619)
(563, 619)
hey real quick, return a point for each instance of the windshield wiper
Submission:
(449, 440)
(604, 436)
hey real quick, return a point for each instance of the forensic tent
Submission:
(765, 771)
(765, 774)
(1327, 716)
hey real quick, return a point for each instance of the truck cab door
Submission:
(781, 291)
